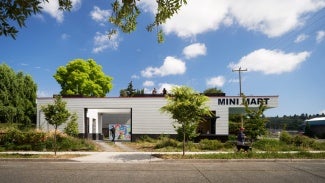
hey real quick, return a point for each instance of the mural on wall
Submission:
(122, 131)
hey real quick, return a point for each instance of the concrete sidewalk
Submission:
(117, 153)
(120, 153)
(117, 157)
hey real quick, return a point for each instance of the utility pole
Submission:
(240, 93)
(239, 72)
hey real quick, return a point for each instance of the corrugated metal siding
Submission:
(146, 115)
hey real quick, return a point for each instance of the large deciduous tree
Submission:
(15, 12)
(17, 97)
(83, 77)
(124, 14)
(188, 108)
(56, 114)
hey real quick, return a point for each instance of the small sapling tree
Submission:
(188, 108)
(56, 114)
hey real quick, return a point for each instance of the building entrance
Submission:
(98, 123)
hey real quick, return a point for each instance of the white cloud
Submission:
(320, 36)
(44, 94)
(271, 61)
(148, 6)
(272, 18)
(65, 36)
(100, 16)
(197, 17)
(148, 83)
(76, 4)
(52, 8)
(218, 81)
(171, 66)
(233, 81)
(194, 50)
(301, 38)
(167, 86)
(134, 76)
(160, 89)
(102, 42)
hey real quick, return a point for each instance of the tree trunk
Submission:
(55, 146)
(183, 140)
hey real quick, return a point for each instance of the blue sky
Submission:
(281, 43)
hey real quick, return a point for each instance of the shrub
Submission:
(269, 145)
(285, 137)
(318, 145)
(72, 126)
(146, 138)
(191, 146)
(14, 139)
(68, 143)
(207, 144)
(12, 136)
(229, 144)
(166, 142)
(300, 140)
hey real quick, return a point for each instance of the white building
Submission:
(317, 126)
(138, 116)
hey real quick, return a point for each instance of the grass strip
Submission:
(39, 156)
(250, 155)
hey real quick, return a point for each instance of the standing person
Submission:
(240, 139)
(113, 134)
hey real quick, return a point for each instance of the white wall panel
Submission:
(146, 115)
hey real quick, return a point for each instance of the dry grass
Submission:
(40, 156)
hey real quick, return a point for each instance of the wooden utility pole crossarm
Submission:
(239, 72)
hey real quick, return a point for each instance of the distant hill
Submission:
(290, 122)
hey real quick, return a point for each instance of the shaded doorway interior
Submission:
(208, 126)
(99, 121)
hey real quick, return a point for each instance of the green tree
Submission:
(56, 114)
(308, 131)
(212, 91)
(72, 126)
(130, 91)
(17, 97)
(255, 122)
(123, 93)
(15, 12)
(83, 77)
(125, 15)
(187, 107)
(234, 123)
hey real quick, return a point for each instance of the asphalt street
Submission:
(128, 166)
(163, 171)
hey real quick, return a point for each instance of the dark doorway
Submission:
(208, 126)
(86, 131)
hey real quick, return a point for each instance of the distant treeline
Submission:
(294, 122)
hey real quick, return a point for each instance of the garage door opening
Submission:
(98, 123)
